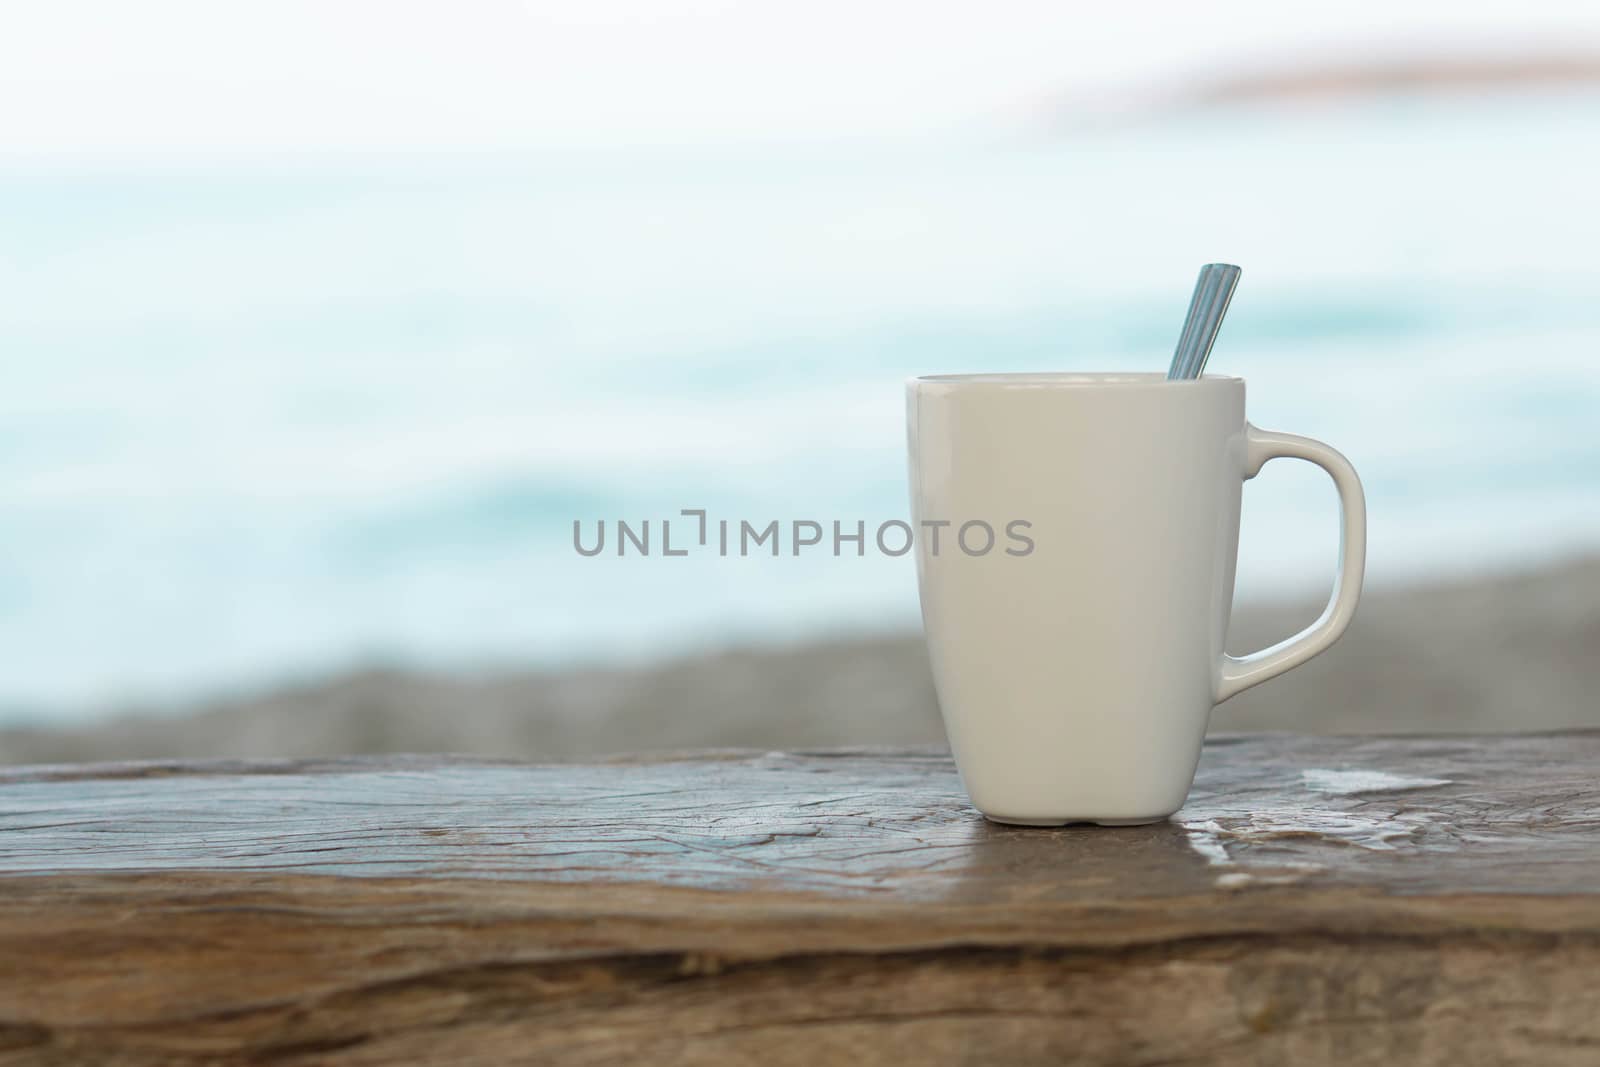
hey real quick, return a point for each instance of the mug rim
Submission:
(1073, 380)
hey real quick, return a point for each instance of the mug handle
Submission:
(1241, 672)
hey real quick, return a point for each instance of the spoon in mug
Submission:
(1212, 292)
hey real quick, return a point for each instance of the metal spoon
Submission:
(1213, 290)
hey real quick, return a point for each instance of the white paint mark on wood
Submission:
(1277, 827)
(1348, 783)
(1206, 839)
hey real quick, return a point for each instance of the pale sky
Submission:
(113, 78)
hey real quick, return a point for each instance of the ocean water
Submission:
(264, 421)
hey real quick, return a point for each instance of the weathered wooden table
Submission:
(1319, 900)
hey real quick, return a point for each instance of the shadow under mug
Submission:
(1078, 656)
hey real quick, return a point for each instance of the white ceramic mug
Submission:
(1076, 678)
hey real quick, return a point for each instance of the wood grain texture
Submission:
(1319, 900)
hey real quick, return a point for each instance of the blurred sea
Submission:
(262, 421)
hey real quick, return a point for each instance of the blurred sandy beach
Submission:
(1517, 651)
